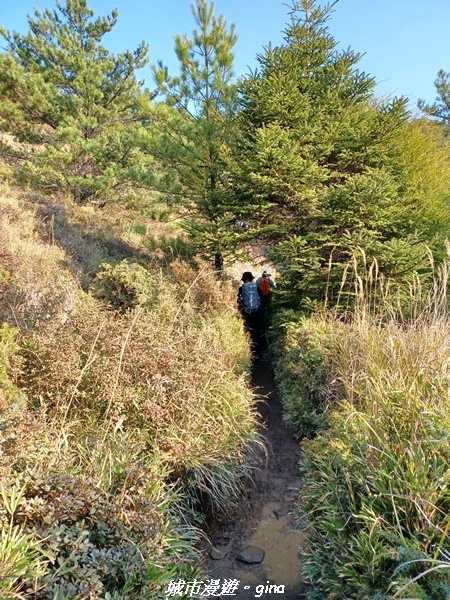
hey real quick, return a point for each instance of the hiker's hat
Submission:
(247, 276)
(266, 272)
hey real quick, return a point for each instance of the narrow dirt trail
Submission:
(264, 521)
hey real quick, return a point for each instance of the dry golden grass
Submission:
(36, 286)
(134, 400)
(376, 488)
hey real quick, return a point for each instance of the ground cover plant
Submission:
(376, 488)
(126, 411)
(304, 370)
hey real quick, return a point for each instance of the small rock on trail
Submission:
(264, 520)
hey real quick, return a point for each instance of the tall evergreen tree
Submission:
(72, 102)
(195, 127)
(319, 163)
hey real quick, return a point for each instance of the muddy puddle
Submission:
(276, 534)
(263, 530)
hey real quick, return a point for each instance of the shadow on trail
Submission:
(264, 525)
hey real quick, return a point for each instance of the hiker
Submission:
(265, 286)
(249, 304)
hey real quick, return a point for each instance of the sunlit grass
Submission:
(376, 487)
(126, 408)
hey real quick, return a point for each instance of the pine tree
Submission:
(440, 109)
(195, 125)
(319, 162)
(71, 102)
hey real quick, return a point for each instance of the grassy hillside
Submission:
(371, 392)
(125, 407)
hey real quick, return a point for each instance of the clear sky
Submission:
(404, 42)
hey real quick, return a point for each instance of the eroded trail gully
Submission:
(263, 526)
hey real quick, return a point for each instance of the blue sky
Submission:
(405, 42)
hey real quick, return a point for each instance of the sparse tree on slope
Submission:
(440, 109)
(194, 125)
(65, 94)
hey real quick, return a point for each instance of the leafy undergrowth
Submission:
(126, 411)
(376, 469)
(303, 348)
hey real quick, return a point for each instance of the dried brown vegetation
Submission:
(124, 396)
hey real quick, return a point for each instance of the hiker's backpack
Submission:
(264, 285)
(250, 297)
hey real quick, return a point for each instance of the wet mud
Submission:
(264, 523)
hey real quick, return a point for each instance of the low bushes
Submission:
(126, 414)
(376, 484)
(91, 515)
(304, 371)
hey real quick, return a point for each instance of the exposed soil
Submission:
(265, 519)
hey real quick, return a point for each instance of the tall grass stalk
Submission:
(89, 362)
(126, 406)
(377, 486)
(119, 366)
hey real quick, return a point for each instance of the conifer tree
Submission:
(72, 102)
(195, 125)
(440, 109)
(320, 162)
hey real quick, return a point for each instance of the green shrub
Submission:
(21, 559)
(169, 247)
(376, 487)
(140, 228)
(301, 357)
(124, 285)
(99, 511)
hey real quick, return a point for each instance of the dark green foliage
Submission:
(124, 285)
(71, 103)
(193, 128)
(169, 248)
(324, 167)
(440, 109)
